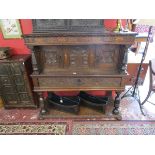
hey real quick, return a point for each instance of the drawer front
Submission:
(79, 82)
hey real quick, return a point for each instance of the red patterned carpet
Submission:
(26, 121)
(114, 128)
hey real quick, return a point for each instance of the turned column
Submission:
(43, 103)
(117, 103)
(124, 58)
(34, 60)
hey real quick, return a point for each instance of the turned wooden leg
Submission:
(116, 103)
(43, 104)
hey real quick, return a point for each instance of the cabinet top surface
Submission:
(16, 58)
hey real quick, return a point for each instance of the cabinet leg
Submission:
(43, 104)
(116, 104)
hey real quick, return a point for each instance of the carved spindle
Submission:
(34, 61)
(116, 103)
(43, 104)
(124, 60)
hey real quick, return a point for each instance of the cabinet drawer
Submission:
(5, 80)
(79, 82)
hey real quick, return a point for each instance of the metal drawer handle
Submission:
(79, 82)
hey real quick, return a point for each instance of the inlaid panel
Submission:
(79, 57)
(53, 56)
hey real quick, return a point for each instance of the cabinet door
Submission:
(46, 25)
(14, 85)
(21, 83)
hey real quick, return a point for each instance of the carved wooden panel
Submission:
(87, 22)
(106, 56)
(53, 56)
(79, 56)
(48, 24)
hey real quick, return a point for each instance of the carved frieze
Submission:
(85, 40)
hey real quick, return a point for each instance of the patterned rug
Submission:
(113, 128)
(33, 129)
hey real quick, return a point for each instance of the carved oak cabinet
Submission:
(15, 83)
(77, 55)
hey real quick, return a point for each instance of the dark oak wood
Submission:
(78, 55)
(15, 82)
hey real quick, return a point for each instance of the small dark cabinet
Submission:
(15, 83)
